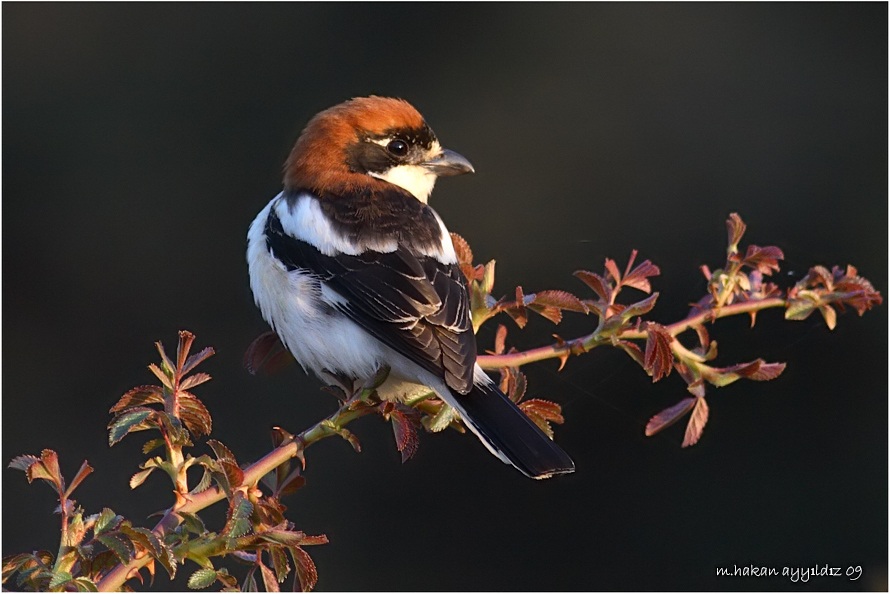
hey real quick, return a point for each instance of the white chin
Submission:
(414, 178)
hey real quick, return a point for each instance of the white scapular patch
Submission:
(304, 219)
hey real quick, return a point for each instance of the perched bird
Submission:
(355, 271)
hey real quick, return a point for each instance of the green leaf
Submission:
(205, 482)
(279, 563)
(85, 585)
(59, 578)
(830, 316)
(139, 478)
(76, 529)
(122, 547)
(284, 537)
(106, 522)
(152, 444)
(201, 579)
(442, 419)
(149, 541)
(137, 419)
(801, 308)
(238, 522)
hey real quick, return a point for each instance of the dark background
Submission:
(139, 141)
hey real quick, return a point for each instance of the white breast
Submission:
(298, 309)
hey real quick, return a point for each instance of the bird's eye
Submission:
(397, 147)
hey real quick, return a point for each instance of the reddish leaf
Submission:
(186, 339)
(544, 408)
(612, 269)
(84, 472)
(307, 574)
(631, 349)
(291, 484)
(696, 423)
(658, 359)
(194, 380)
(464, 256)
(518, 386)
(266, 353)
(234, 475)
(196, 359)
(554, 314)
(640, 307)
(47, 468)
(669, 416)
(405, 421)
(166, 362)
(270, 581)
(462, 249)
(757, 370)
(638, 278)
(194, 414)
(596, 282)
(499, 339)
(161, 375)
(541, 412)
(560, 299)
(735, 229)
(763, 259)
(860, 294)
(139, 396)
(221, 451)
(767, 371)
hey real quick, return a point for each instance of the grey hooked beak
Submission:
(449, 163)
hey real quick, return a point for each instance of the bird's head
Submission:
(368, 141)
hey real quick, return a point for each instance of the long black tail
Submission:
(509, 434)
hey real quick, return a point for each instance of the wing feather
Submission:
(413, 303)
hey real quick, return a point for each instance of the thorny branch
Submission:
(256, 530)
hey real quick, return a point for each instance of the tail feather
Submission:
(508, 433)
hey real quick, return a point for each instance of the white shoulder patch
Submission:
(304, 220)
(444, 252)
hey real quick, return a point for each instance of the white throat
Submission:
(416, 179)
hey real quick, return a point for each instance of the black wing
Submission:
(412, 303)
